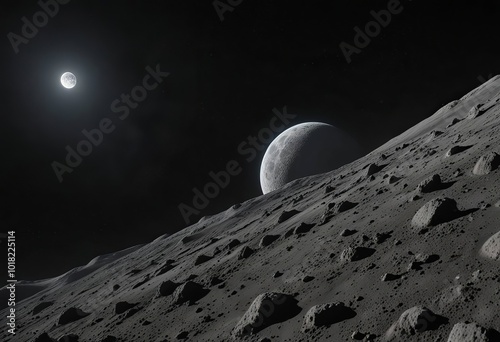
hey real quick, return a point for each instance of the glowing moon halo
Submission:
(68, 80)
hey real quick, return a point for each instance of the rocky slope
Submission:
(403, 245)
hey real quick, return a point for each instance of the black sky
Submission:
(225, 79)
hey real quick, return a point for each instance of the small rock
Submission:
(326, 314)
(457, 173)
(289, 233)
(393, 179)
(245, 253)
(372, 169)
(189, 292)
(356, 253)
(307, 279)
(132, 311)
(430, 184)
(390, 277)
(202, 258)
(381, 237)
(415, 198)
(285, 215)
(370, 338)
(68, 338)
(71, 315)
(44, 338)
(182, 336)
(329, 189)
(357, 336)
(415, 265)
(433, 135)
(267, 240)
(233, 243)
(40, 307)
(277, 274)
(215, 281)
(267, 309)
(456, 150)
(475, 111)
(426, 258)
(453, 122)
(303, 228)
(343, 206)
(164, 268)
(109, 338)
(121, 307)
(348, 232)
(167, 288)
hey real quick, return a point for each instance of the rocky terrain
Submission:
(402, 244)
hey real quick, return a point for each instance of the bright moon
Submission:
(68, 80)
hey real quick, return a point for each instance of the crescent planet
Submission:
(304, 150)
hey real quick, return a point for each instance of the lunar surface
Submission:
(400, 245)
(68, 80)
(303, 150)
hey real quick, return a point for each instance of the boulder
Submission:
(434, 212)
(167, 288)
(430, 184)
(267, 309)
(71, 315)
(326, 314)
(415, 320)
(491, 248)
(356, 253)
(470, 332)
(189, 292)
(486, 164)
